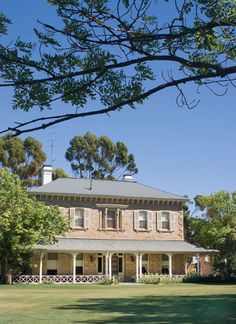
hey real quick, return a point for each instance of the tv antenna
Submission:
(52, 150)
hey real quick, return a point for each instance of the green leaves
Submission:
(24, 158)
(99, 158)
(112, 52)
(24, 222)
(215, 227)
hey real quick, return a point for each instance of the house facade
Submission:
(119, 228)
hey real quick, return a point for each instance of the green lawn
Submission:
(183, 303)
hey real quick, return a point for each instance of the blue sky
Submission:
(179, 150)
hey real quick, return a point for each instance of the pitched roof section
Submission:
(91, 245)
(121, 189)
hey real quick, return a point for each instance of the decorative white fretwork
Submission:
(60, 279)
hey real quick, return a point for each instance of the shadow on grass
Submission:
(156, 309)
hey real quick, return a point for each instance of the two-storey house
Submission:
(119, 228)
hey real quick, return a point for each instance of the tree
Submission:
(113, 52)
(59, 173)
(216, 228)
(99, 158)
(24, 222)
(23, 157)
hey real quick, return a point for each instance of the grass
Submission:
(177, 303)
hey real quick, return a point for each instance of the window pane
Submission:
(79, 256)
(111, 218)
(143, 219)
(165, 220)
(99, 264)
(79, 217)
(145, 257)
(79, 270)
(120, 266)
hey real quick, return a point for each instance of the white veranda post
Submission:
(40, 267)
(170, 265)
(106, 263)
(137, 267)
(74, 255)
(140, 265)
(110, 266)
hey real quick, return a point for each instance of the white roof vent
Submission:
(128, 177)
(46, 174)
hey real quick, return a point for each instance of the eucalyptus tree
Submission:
(215, 227)
(99, 158)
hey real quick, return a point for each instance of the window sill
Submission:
(142, 230)
(79, 228)
(111, 230)
(165, 231)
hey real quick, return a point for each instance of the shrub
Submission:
(152, 279)
(106, 282)
(165, 280)
(115, 280)
(195, 278)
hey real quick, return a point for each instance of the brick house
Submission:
(121, 228)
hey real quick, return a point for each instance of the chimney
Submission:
(46, 174)
(128, 177)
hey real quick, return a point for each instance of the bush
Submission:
(106, 282)
(195, 278)
(165, 280)
(152, 279)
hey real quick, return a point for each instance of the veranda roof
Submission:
(97, 245)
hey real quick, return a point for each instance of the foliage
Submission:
(99, 158)
(24, 222)
(166, 280)
(195, 278)
(23, 157)
(215, 228)
(113, 52)
(106, 282)
(59, 173)
(152, 279)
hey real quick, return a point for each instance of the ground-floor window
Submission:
(145, 264)
(165, 264)
(120, 263)
(80, 264)
(100, 263)
(52, 264)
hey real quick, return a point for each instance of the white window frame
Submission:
(162, 221)
(83, 211)
(116, 220)
(140, 220)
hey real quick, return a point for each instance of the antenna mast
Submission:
(52, 150)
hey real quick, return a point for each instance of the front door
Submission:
(118, 266)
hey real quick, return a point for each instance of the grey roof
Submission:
(86, 187)
(91, 245)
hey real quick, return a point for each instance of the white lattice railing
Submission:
(66, 279)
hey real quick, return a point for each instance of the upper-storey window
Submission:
(79, 218)
(143, 219)
(165, 220)
(111, 219)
